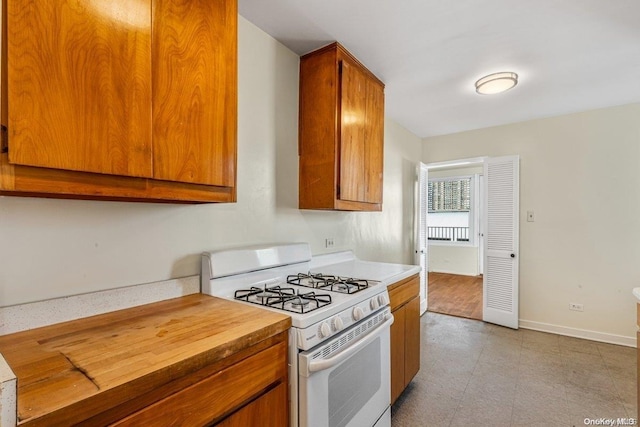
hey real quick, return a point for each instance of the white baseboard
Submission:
(579, 333)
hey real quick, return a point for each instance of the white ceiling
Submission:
(571, 55)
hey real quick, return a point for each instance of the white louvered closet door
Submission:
(421, 242)
(501, 213)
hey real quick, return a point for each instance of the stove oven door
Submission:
(346, 380)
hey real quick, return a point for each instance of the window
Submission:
(450, 206)
(450, 195)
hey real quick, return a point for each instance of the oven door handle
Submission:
(320, 365)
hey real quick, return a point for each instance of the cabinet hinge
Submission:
(4, 140)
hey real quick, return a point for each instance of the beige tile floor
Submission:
(478, 374)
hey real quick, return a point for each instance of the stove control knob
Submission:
(357, 314)
(338, 325)
(374, 304)
(325, 331)
(382, 300)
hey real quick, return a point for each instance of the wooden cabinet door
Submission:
(411, 340)
(269, 410)
(79, 85)
(194, 91)
(361, 137)
(374, 142)
(353, 85)
(397, 353)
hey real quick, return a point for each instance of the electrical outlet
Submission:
(576, 307)
(328, 242)
(530, 216)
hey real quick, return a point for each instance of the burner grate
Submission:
(344, 285)
(300, 303)
(283, 298)
(262, 293)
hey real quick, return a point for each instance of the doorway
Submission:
(453, 216)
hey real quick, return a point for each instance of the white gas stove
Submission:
(337, 320)
(320, 305)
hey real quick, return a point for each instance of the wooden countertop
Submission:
(94, 364)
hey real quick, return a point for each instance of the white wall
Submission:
(454, 259)
(52, 248)
(462, 260)
(580, 174)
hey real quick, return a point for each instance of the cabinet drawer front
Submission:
(217, 396)
(403, 291)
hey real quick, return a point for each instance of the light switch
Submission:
(529, 216)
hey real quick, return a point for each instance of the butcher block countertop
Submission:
(69, 372)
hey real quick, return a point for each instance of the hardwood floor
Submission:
(455, 295)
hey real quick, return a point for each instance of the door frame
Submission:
(421, 243)
(424, 275)
(470, 162)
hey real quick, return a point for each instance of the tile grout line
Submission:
(469, 380)
(565, 378)
(513, 402)
(561, 369)
(615, 385)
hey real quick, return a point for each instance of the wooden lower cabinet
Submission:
(265, 411)
(250, 392)
(405, 334)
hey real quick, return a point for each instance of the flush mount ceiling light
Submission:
(496, 83)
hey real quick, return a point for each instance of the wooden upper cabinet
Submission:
(79, 86)
(194, 91)
(126, 100)
(341, 132)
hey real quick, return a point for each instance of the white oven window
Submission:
(353, 384)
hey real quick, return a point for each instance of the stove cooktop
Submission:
(303, 292)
